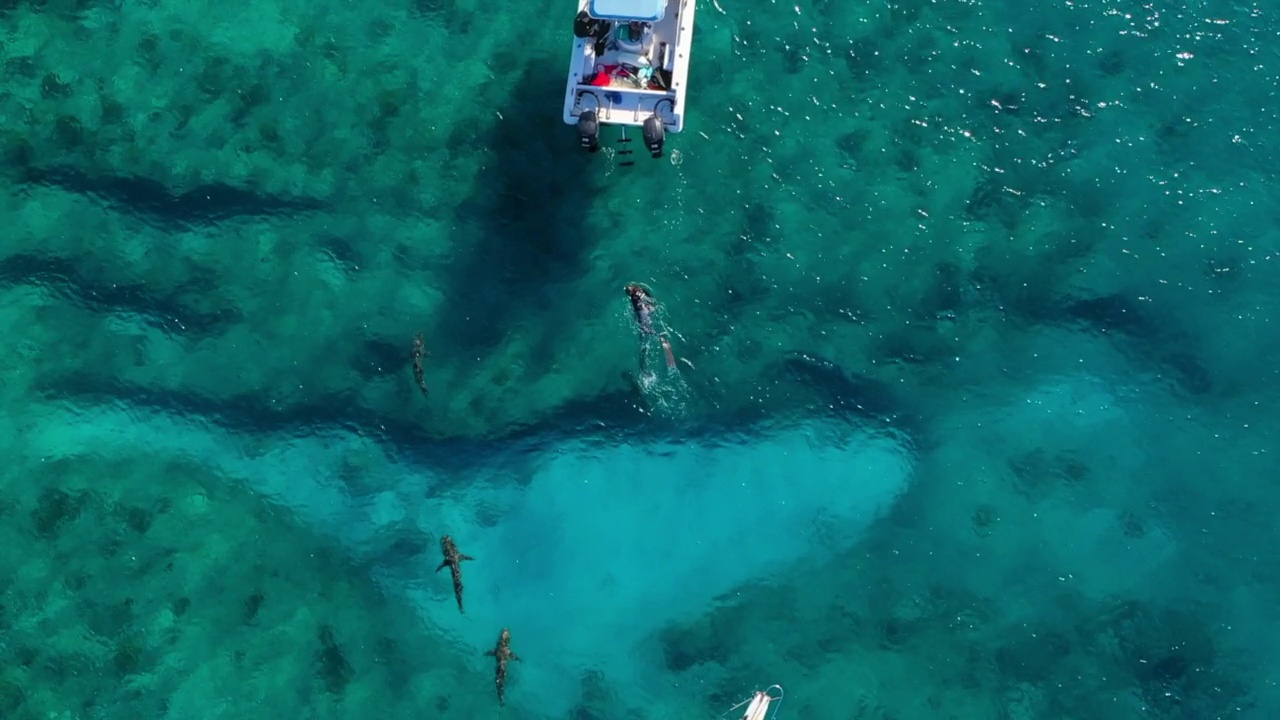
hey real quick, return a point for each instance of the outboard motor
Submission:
(655, 133)
(589, 131)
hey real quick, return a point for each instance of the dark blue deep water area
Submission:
(974, 311)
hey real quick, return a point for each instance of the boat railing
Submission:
(758, 705)
(584, 87)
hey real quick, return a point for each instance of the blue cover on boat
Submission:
(644, 10)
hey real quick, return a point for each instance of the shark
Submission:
(453, 559)
(501, 653)
(416, 355)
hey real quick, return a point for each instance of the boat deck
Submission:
(606, 83)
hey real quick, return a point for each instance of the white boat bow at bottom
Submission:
(757, 706)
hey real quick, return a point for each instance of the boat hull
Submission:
(623, 101)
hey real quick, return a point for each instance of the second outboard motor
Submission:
(589, 131)
(654, 135)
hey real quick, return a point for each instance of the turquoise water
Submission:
(973, 306)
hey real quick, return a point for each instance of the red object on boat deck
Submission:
(604, 77)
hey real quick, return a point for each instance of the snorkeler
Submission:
(643, 307)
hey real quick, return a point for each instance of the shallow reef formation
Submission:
(125, 596)
(929, 219)
(873, 645)
(193, 169)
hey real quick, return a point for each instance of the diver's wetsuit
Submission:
(643, 306)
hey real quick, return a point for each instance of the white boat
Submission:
(630, 68)
(757, 706)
